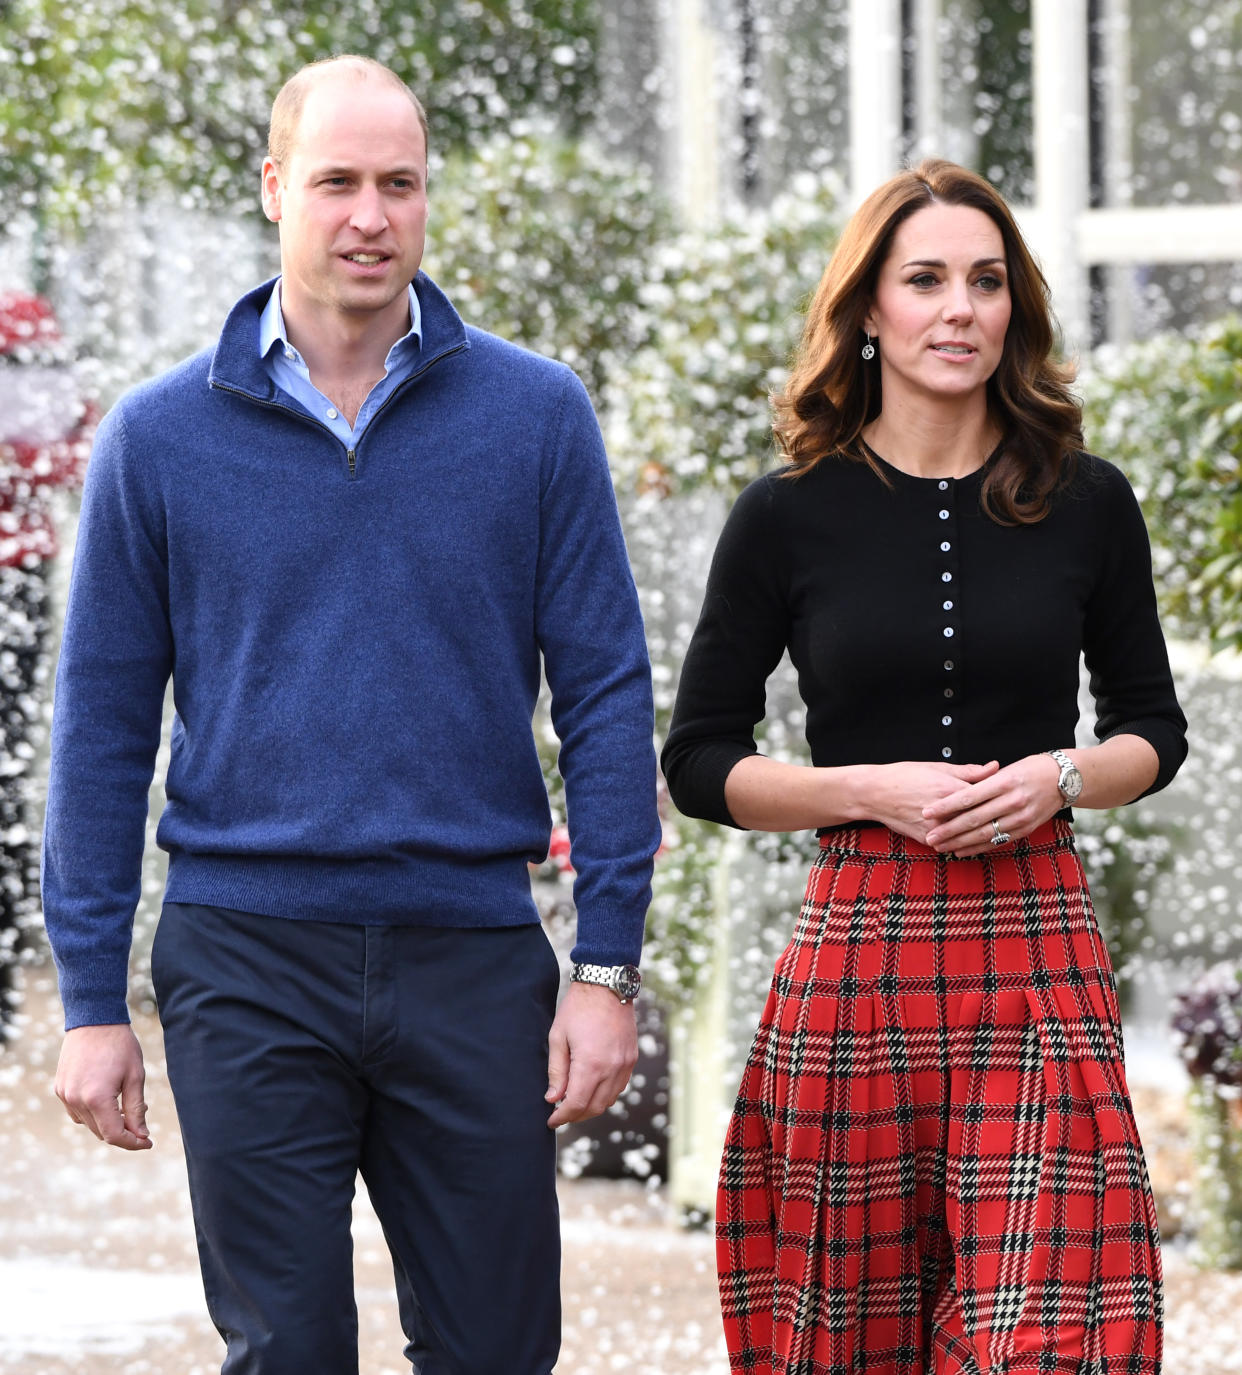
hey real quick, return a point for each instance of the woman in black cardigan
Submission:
(933, 1163)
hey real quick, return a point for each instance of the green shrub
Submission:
(117, 100)
(1169, 411)
(726, 307)
(545, 241)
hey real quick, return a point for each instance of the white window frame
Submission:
(1067, 235)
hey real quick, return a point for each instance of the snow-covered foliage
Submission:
(1169, 411)
(135, 96)
(546, 241)
(724, 307)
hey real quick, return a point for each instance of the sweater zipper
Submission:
(351, 454)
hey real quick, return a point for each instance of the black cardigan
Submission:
(920, 628)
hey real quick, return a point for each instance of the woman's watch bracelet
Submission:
(1070, 780)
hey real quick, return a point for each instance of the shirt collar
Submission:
(272, 327)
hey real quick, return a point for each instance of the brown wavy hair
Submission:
(832, 393)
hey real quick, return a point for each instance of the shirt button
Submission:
(946, 720)
(948, 606)
(948, 692)
(948, 632)
(943, 485)
(948, 665)
(944, 515)
(331, 412)
(945, 546)
(946, 753)
(946, 577)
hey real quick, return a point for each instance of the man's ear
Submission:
(270, 190)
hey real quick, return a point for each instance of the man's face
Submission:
(351, 202)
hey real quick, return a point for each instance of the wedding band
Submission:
(999, 837)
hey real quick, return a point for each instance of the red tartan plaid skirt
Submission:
(933, 1164)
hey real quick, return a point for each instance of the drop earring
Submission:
(868, 349)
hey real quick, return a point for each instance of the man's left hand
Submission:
(592, 1048)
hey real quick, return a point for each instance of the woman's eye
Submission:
(988, 282)
(923, 279)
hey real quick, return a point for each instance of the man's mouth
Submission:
(366, 259)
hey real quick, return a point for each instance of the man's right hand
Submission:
(98, 1065)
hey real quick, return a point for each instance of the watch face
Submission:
(627, 981)
(1070, 784)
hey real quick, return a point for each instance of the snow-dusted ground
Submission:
(98, 1274)
(51, 1307)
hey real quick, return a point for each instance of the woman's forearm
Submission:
(766, 795)
(1023, 795)
(1114, 772)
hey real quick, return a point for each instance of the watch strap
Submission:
(622, 979)
(1066, 766)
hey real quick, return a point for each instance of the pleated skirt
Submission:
(933, 1166)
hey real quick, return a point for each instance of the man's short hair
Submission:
(287, 107)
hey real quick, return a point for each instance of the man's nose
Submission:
(367, 215)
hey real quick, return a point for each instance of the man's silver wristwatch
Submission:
(1070, 781)
(623, 979)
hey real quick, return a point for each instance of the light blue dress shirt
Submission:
(287, 368)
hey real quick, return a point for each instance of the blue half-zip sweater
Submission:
(355, 639)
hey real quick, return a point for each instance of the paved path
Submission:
(97, 1268)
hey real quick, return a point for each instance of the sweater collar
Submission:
(237, 366)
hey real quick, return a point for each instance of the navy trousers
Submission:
(302, 1053)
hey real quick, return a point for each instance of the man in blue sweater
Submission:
(351, 534)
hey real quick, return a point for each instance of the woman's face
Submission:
(941, 306)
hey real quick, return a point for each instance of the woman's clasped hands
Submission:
(953, 807)
(997, 808)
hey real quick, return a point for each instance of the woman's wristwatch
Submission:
(1070, 781)
(623, 979)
